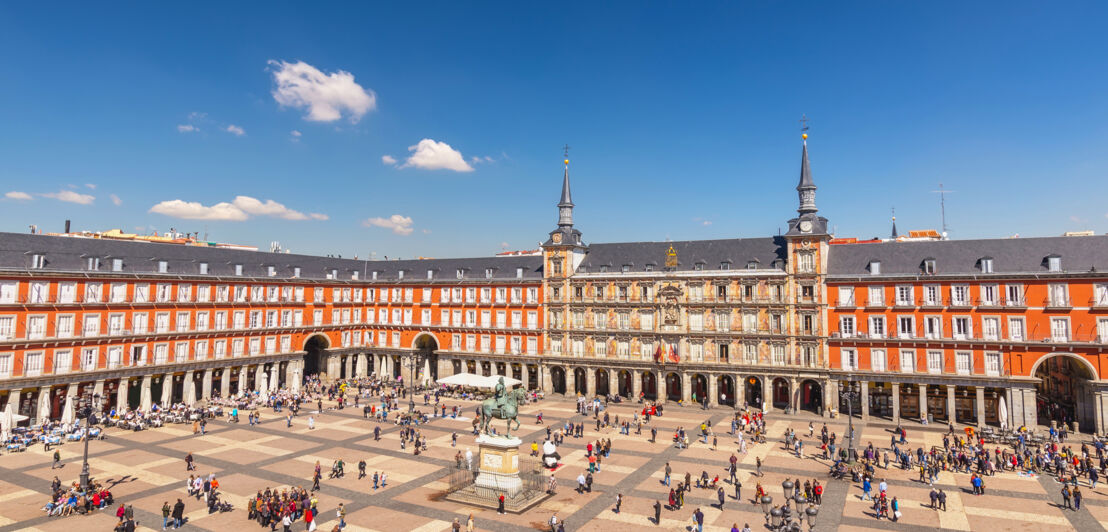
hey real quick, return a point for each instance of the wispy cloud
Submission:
(70, 196)
(325, 96)
(237, 210)
(399, 224)
(388, 159)
(91, 186)
(115, 199)
(187, 128)
(235, 130)
(17, 195)
(433, 155)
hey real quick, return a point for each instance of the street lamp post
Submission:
(86, 412)
(850, 394)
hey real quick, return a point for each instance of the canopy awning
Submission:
(476, 381)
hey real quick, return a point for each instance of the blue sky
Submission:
(682, 119)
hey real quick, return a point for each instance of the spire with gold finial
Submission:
(565, 206)
(806, 189)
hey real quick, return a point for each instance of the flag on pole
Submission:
(658, 353)
(673, 355)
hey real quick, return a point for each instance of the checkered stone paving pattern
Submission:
(145, 469)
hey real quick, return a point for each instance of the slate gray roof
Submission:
(711, 253)
(71, 254)
(961, 257)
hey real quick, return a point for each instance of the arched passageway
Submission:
(602, 382)
(726, 387)
(314, 350)
(811, 396)
(673, 387)
(753, 392)
(650, 385)
(699, 388)
(580, 385)
(1064, 393)
(471, 367)
(781, 393)
(626, 387)
(558, 379)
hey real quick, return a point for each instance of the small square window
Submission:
(488, 273)
(238, 269)
(93, 264)
(163, 266)
(400, 274)
(203, 268)
(725, 265)
(117, 265)
(986, 265)
(698, 266)
(459, 273)
(1054, 264)
(875, 267)
(752, 265)
(271, 270)
(625, 268)
(649, 267)
(296, 271)
(928, 266)
(38, 261)
(373, 275)
(430, 274)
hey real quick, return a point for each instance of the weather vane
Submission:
(803, 123)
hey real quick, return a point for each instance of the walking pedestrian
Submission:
(57, 459)
(657, 513)
(619, 501)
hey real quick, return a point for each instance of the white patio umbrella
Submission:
(463, 379)
(43, 406)
(1002, 412)
(69, 414)
(508, 381)
(190, 391)
(7, 420)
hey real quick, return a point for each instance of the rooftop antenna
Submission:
(942, 204)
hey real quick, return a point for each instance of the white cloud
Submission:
(479, 160)
(193, 210)
(504, 246)
(239, 209)
(90, 185)
(401, 225)
(116, 200)
(187, 128)
(17, 195)
(325, 96)
(706, 222)
(426, 231)
(388, 159)
(235, 130)
(70, 196)
(295, 133)
(432, 155)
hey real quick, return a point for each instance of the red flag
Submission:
(658, 353)
(673, 355)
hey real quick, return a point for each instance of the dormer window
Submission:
(488, 273)
(93, 264)
(779, 264)
(986, 265)
(875, 267)
(271, 270)
(400, 274)
(699, 266)
(355, 275)
(752, 265)
(1054, 263)
(625, 268)
(38, 261)
(725, 265)
(519, 273)
(604, 269)
(373, 275)
(430, 274)
(163, 266)
(649, 267)
(117, 265)
(296, 272)
(238, 269)
(203, 268)
(928, 266)
(334, 273)
(459, 273)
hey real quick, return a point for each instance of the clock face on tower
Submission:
(805, 226)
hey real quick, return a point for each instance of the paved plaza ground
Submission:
(145, 469)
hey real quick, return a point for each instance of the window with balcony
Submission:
(36, 327)
(1058, 295)
(875, 296)
(959, 295)
(904, 296)
(906, 326)
(92, 325)
(846, 296)
(849, 359)
(993, 364)
(63, 361)
(990, 328)
(67, 292)
(963, 362)
(38, 292)
(931, 295)
(990, 295)
(935, 362)
(846, 326)
(1016, 329)
(877, 360)
(877, 327)
(7, 327)
(1060, 329)
(962, 327)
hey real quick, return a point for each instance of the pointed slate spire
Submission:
(565, 206)
(894, 234)
(806, 189)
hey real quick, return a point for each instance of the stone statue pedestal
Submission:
(499, 467)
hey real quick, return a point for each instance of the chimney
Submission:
(67, 226)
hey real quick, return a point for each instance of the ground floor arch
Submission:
(753, 391)
(314, 350)
(781, 394)
(1064, 392)
(486, 368)
(580, 384)
(673, 387)
(602, 385)
(726, 390)
(471, 366)
(811, 396)
(699, 387)
(624, 384)
(649, 385)
(558, 379)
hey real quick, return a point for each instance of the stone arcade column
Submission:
(613, 382)
(167, 389)
(146, 400)
(659, 386)
(259, 371)
(98, 389)
(740, 392)
(363, 365)
(767, 393)
(980, 406)
(206, 387)
(923, 401)
(830, 396)
(571, 382)
(544, 379)
(274, 382)
(896, 403)
(349, 366)
(188, 389)
(950, 404)
(713, 389)
(121, 396)
(636, 384)
(43, 411)
(590, 380)
(864, 385)
(225, 382)
(794, 394)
